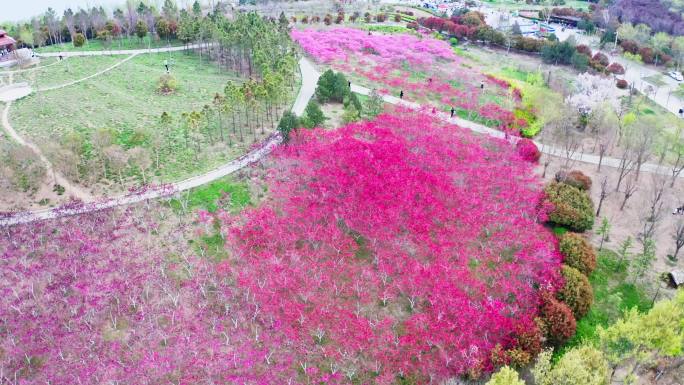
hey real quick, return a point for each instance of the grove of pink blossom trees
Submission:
(397, 247)
(426, 69)
(102, 298)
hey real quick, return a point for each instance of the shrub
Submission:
(578, 252)
(79, 40)
(528, 150)
(573, 207)
(528, 345)
(647, 54)
(380, 17)
(584, 50)
(505, 376)
(559, 323)
(596, 65)
(167, 84)
(616, 68)
(397, 18)
(579, 61)
(633, 57)
(574, 178)
(630, 46)
(601, 58)
(576, 291)
(584, 365)
(621, 84)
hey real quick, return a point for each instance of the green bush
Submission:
(576, 291)
(287, 124)
(79, 40)
(314, 115)
(167, 84)
(572, 207)
(578, 253)
(332, 87)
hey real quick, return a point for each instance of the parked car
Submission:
(676, 75)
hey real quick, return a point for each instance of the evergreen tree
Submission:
(287, 124)
(314, 115)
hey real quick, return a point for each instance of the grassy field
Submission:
(613, 294)
(123, 43)
(125, 101)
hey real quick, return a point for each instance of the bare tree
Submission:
(655, 209)
(675, 147)
(625, 167)
(604, 194)
(678, 237)
(630, 189)
(602, 123)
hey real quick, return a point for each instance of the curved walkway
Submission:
(309, 79)
(58, 178)
(306, 91)
(121, 51)
(28, 69)
(71, 83)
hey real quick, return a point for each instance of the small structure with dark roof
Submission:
(7, 45)
(676, 278)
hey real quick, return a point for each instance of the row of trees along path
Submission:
(310, 77)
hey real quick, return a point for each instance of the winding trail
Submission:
(27, 69)
(309, 79)
(57, 178)
(71, 83)
(121, 51)
(306, 91)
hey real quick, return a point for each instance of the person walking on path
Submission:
(452, 111)
(401, 94)
(166, 64)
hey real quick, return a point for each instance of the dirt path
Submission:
(57, 178)
(120, 51)
(71, 83)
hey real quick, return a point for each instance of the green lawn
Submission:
(122, 43)
(613, 293)
(125, 101)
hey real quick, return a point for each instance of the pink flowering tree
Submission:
(398, 247)
(104, 298)
(426, 69)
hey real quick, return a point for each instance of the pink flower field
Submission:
(401, 248)
(426, 69)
